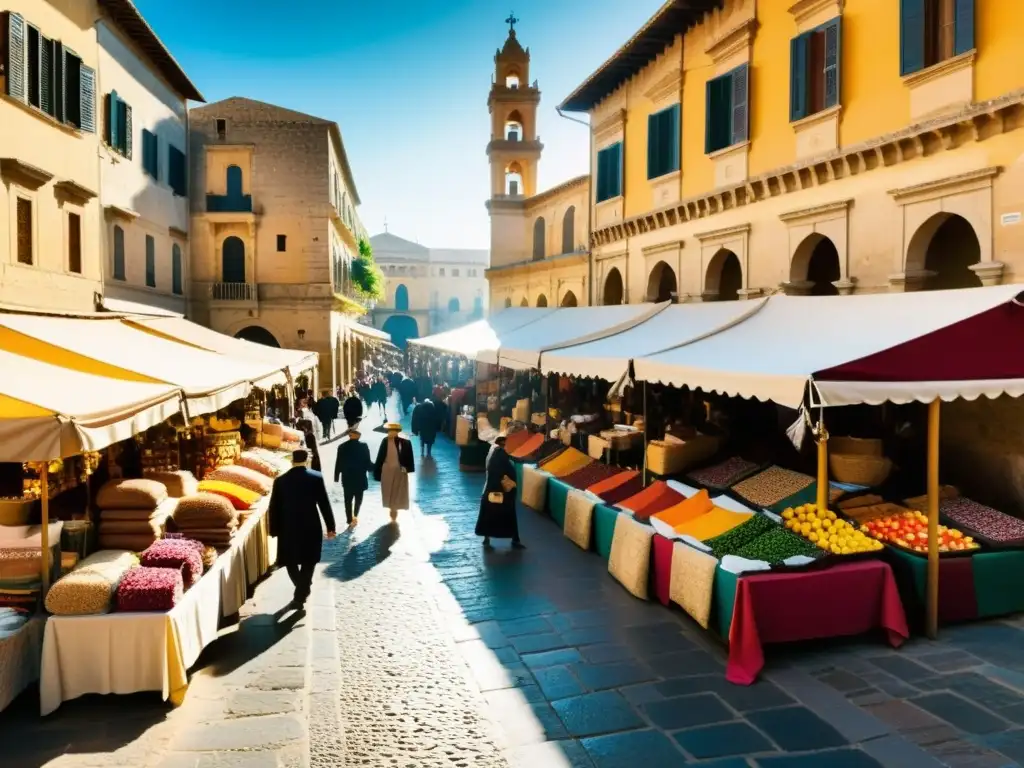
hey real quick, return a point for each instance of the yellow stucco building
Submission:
(274, 229)
(817, 146)
(539, 252)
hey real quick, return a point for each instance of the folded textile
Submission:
(535, 488)
(139, 493)
(91, 586)
(204, 510)
(243, 476)
(150, 589)
(178, 484)
(184, 554)
(133, 542)
(693, 581)
(630, 559)
(579, 514)
(240, 498)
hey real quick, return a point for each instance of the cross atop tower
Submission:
(512, 21)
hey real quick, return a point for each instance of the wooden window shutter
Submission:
(833, 62)
(57, 65)
(119, 271)
(740, 97)
(963, 26)
(674, 138)
(15, 62)
(150, 261)
(110, 131)
(912, 25)
(653, 146)
(602, 174)
(709, 123)
(798, 77)
(87, 100)
(71, 71)
(46, 76)
(126, 110)
(617, 170)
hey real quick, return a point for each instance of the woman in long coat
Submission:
(497, 517)
(392, 469)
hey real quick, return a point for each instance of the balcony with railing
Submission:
(229, 203)
(241, 292)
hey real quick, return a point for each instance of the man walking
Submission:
(352, 409)
(351, 467)
(296, 497)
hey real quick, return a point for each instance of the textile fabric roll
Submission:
(693, 581)
(630, 560)
(535, 488)
(579, 514)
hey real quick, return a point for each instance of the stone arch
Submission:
(508, 302)
(513, 179)
(569, 299)
(402, 298)
(514, 126)
(614, 290)
(724, 277)
(815, 266)
(512, 79)
(524, 302)
(542, 300)
(258, 335)
(232, 260)
(662, 284)
(453, 304)
(402, 328)
(944, 248)
(569, 230)
(539, 232)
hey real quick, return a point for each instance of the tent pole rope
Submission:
(934, 411)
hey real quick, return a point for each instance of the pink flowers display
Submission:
(150, 589)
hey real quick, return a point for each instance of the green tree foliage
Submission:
(366, 275)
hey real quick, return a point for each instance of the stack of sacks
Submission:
(150, 589)
(184, 554)
(270, 435)
(292, 439)
(178, 484)
(241, 498)
(133, 513)
(208, 518)
(243, 476)
(90, 588)
(257, 463)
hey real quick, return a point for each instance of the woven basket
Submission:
(859, 469)
(672, 458)
(855, 446)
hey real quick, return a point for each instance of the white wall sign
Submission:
(1009, 219)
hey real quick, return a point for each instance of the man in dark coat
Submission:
(296, 497)
(425, 424)
(407, 393)
(497, 516)
(326, 410)
(351, 467)
(352, 409)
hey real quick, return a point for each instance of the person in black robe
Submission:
(407, 393)
(297, 502)
(352, 465)
(306, 427)
(497, 517)
(352, 409)
(379, 393)
(327, 408)
(425, 424)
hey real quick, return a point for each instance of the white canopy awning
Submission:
(49, 412)
(276, 359)
(368, 331)
(608, 358)
(210, 381)
(521, 349)
(125, 307)
(474, 338)
(773, 354)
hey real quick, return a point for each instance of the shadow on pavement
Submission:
(366, 554)
(255, 635)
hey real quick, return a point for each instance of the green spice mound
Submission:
(778, 545)
(731, 542)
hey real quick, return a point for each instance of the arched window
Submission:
(402, 298)
(453, 304)
(569, 230)
(514, 126)
(514, 180)
(119, 253)
(538, 239)
(234, 182)
(176, 286)
(512, 80)
(232, 261)
(542, 300)
(508, 302)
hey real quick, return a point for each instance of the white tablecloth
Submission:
(19, 659)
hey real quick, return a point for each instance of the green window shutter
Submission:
(46, 75)
(674, 138)
(653, 146)
(87, 98)
(59, 85)
(16, 61)
(833, 62)
(150, 261)
(911, 36)
(602, 175)
(798, 77)
(617, 154)
(176, 286)
(118, 253)
(126, 110)
(740, 99)
(110, 119)
(709, 122)
(963, 29)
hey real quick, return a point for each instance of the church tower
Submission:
(514, 149)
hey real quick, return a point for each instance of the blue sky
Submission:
(407, 82)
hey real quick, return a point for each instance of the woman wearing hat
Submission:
(392, 469)
(498, 504)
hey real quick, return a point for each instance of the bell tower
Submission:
(514, 149)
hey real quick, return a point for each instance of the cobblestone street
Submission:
(418, 649)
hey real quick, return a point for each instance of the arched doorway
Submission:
(542, 300)
(946, 246)
(569, 299)
(661, 285)
(569, 230)
(613, 289)
(402, 298)
(508, 302)
(724, 278)
(258, 335)
(538, 239)
(232, 260)
(402, 328)
(524, 302)
(453, 304)
(815, 266)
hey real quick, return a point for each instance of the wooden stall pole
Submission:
(821, 433)
(44, 533)
(933, 519)
(645, 434)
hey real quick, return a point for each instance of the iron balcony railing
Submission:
(234, 292)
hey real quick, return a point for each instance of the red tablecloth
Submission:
(661, 567)
(846, 599)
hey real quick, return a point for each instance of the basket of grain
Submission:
(670, 457)
(855, 446)
(859, 469)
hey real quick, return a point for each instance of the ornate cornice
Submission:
(818, 212)
(669, 85)
(929, 190)
(732, 42)
(610, 125)
(672, 245)
(721, 235)
(802, 10)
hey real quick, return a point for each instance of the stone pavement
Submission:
(418, 650)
